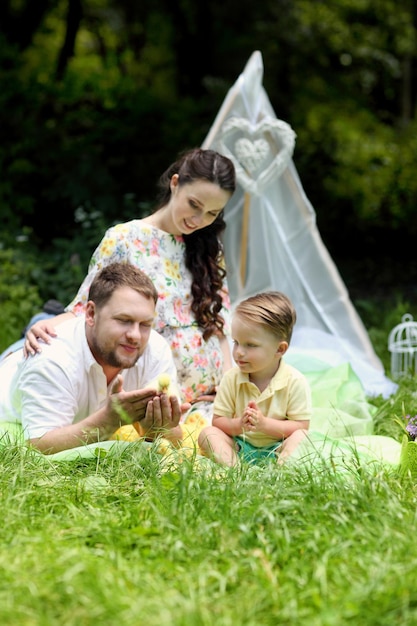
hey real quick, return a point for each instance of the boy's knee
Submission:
(299, 435)
(204, 434)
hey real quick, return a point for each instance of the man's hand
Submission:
(128, 406)
(162, 415)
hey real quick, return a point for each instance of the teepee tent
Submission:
(272, 241)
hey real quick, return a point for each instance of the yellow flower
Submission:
(107, 247)
(172, 269)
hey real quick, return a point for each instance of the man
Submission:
(91, 379)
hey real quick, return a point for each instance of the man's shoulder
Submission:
(68, 346)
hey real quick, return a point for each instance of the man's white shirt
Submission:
(64, 383)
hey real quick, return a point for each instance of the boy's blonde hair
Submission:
(271, 309)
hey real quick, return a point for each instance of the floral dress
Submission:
(161, 256)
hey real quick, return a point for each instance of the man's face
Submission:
(119, 332)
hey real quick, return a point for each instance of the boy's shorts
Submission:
(252, 454)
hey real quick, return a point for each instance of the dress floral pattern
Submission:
(161, 256)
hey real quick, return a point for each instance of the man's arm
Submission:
(94, 428)
(53, 400)
(122, 407)
(157, 415)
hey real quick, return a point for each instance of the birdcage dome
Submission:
(402, 343)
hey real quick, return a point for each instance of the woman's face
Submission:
(195, 205)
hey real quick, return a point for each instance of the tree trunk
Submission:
(74, 17)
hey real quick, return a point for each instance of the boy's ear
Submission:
(282, 348)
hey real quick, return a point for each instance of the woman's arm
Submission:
(104, 254)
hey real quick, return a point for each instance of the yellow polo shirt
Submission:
(287, 396)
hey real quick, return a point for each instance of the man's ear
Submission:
(282, 348)
(90, 313)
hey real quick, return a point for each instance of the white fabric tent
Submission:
(272, 241)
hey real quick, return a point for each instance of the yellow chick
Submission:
(164, 384)
(164, 381)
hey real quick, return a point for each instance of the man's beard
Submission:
(111, 358)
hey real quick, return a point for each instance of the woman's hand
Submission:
(209, 396)
(206, 398)
(43, 330)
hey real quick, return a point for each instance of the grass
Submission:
(188, 548)
(124, 540)
(128, 540)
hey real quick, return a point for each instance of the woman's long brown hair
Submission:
(203, 248)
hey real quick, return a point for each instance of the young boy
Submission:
(263, 405)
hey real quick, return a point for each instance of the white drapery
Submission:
(272, 241)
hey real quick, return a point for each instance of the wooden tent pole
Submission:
(244, 238)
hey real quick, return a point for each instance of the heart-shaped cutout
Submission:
(252, 154)
(278, 135)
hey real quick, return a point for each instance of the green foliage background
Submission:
(97, 97)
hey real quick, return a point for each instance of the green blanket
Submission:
(340, 435)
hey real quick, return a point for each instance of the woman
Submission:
(178, 246)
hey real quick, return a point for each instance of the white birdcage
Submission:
(402, 343)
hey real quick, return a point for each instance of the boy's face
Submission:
(119, 332)
(255, 349)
